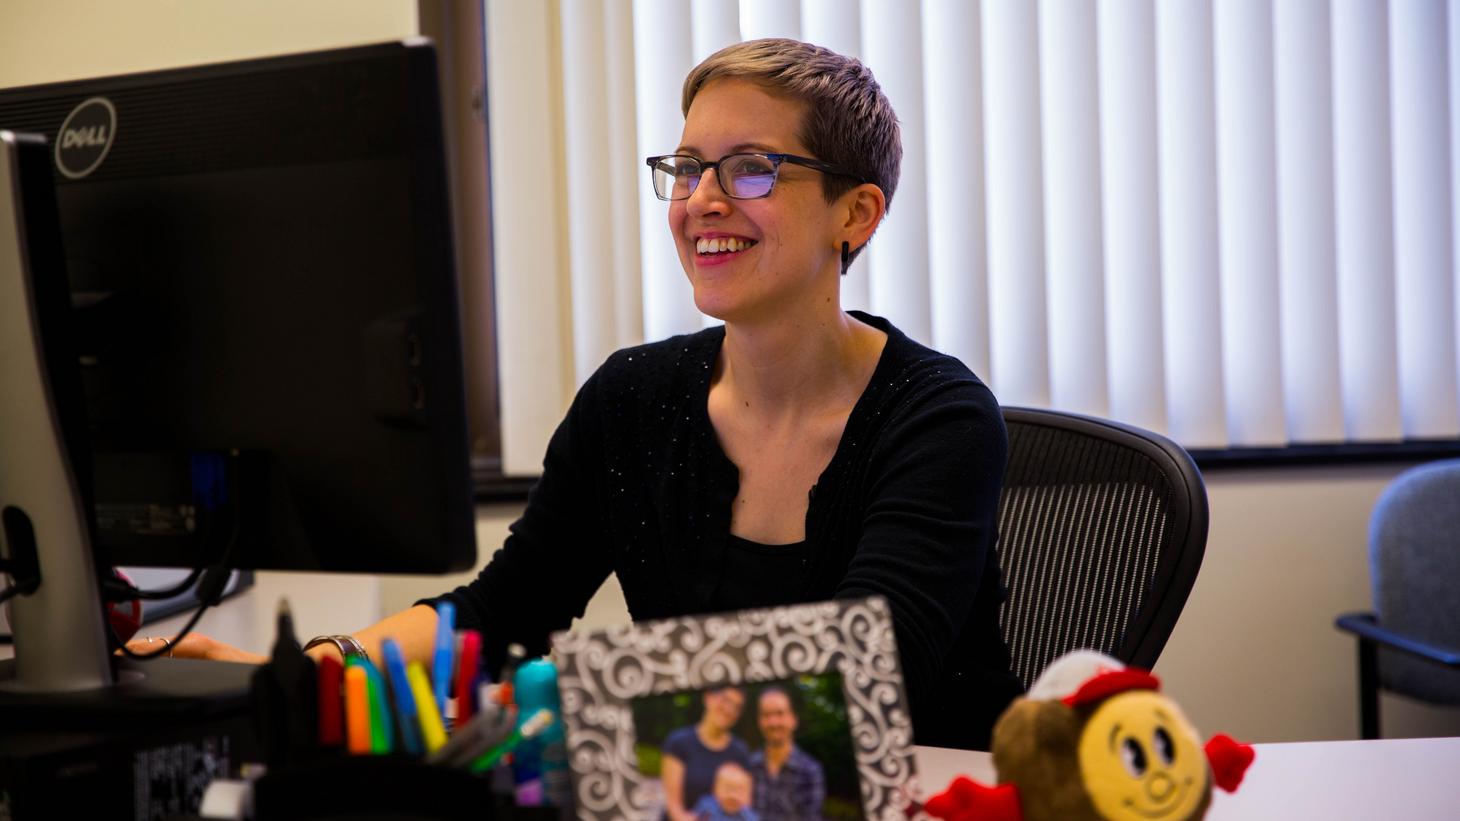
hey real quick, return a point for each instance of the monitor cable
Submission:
(211, 582)
(117, 588)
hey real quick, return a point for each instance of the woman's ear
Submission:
(866, 205)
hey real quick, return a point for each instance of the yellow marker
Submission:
(357, 711)
(433, 733)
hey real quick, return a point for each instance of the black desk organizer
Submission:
(304, 781)
(381, 788)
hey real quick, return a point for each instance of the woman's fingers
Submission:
(194, 646)
(199, 646)
(148, 645)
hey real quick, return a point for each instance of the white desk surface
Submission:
(1393, 778)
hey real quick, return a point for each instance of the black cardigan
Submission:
(635, 483)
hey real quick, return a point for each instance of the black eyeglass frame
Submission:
(776, 160)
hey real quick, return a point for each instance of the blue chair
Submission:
(1411, 643)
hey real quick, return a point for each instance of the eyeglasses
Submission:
(741, 176)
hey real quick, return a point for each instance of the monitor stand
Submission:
(60, 645)
(62, 667)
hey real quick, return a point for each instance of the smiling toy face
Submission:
(1140, 758)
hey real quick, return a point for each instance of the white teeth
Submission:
(720, 245)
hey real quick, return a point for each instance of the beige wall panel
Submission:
(43, 41)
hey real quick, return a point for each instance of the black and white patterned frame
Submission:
(601, 672)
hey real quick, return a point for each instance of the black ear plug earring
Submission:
(846, 257)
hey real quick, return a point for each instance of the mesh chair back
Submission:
(1414, 560)
(1102, 527)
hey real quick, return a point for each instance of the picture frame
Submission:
(603, 672)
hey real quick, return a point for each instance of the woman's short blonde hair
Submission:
(849, 121)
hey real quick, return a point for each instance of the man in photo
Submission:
(789, 784)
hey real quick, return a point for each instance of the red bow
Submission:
(967, 800)
(1229, 759)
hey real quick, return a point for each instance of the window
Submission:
(1229, 222)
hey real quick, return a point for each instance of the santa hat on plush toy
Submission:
(1067, 674)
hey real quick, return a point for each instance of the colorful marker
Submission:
(405, 701)
(357, 710)
(466, 675)
(331, 677)
(539, 721)
(433, 733)
(441, 660)
(382, 739)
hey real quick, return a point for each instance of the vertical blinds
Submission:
(1232, 222)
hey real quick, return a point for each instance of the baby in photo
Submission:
(730, 800)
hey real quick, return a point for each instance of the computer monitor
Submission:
(263, 317)
(260, 262)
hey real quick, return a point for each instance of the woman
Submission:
(798, 453)
(692, 755)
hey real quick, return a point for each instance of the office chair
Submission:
(1102, 527)
(1410, 644)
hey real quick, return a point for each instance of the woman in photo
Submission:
(692, 756)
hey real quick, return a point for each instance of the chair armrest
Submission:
(1366, 627)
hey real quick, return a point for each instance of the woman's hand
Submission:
(195, 646)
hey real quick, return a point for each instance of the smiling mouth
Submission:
(1160, 812)
(722, 245)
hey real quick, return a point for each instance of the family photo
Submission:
(762, 752)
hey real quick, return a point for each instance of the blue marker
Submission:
(445, 654)
(405, 703)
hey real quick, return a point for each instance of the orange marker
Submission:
(357, 710)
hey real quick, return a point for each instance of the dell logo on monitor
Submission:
(85, 137)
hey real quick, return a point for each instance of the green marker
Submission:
(382, 740)
(531, 727)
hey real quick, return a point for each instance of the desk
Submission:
(1398, 778)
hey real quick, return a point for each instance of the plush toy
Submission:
(1096, 740)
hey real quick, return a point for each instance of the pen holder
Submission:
(397, 788)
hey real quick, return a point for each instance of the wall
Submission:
(1255, 653)
(43, 41)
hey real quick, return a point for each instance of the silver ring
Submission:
(166, 641)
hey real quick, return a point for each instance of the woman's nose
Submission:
(708, 197)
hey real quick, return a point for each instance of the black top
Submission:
(635, 483)
(761, 575)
